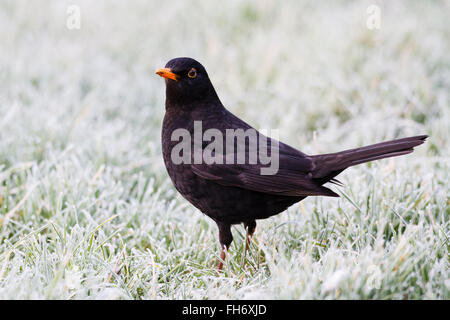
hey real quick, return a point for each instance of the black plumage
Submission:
(238, 193)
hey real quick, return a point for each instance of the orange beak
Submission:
(167, 73)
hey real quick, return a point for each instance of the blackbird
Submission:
(233, 192)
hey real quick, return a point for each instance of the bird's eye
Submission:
(192, 73)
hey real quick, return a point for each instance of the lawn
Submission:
(87, 210)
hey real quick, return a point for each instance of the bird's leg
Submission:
(222, 258)
(225, 238)
(250, 226)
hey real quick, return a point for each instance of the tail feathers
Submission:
(329, 165)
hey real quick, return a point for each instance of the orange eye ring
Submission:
(192, 73)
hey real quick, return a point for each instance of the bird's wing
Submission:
(293, 177)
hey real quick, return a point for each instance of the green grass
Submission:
(87, 210)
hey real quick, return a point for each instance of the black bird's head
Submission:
(186, 82)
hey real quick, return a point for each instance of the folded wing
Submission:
(293, 177)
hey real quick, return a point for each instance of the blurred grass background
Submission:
(87, 210)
